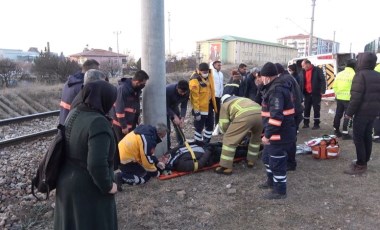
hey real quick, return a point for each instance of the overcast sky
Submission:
(71, 24)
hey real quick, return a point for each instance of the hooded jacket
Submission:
(70, 90)
(139, 145)
(365, 93)
(278, 112)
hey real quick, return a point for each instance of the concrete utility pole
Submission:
(153, 62)
(311, 28)
(117, 47)
(170, 52)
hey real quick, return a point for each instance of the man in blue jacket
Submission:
(177, 94)
(72, 87)
(279, 129)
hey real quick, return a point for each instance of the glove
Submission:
(197, 115)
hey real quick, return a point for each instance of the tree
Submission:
(9, 72)
(109, 67)
(52, 69)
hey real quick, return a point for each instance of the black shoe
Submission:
(265, 186)
(305, 126)
(337, 133)
(346, 137)
(315, 127)
(119, 181)
(274, 196)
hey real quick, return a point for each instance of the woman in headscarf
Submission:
(86, 188)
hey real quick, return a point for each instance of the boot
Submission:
(223, 170)
(356, 169)
(119, 181)
(337, 133)
(250, 163)
(316, 126)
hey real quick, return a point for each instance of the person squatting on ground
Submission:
(298, 108)
(238, 117)
(72, 87)
(177, 94)
(137, 160)
(342, 88)
(313, 86)
(279, 129)
(218, 81)
(202, 98)
(85, 188)
(364, 106)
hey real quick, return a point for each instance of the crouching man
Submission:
(137, 161)
(238, 116)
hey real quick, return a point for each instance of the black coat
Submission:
(365, 89)
(318, 81)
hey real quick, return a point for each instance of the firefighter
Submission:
(279, 129)
(202, 98)
(238, 117)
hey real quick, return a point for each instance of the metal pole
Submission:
(117, 47)
(153, 62)
(311, 28)
(170, 52)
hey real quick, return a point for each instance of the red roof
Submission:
(98, 53)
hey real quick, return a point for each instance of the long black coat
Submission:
(365, 89)
(82, 198)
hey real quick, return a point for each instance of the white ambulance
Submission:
(330, 63)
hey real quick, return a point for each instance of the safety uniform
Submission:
(238, 116)
(202, 98)
(126, 109)
(342, 88)
(279, 127)
(70, 90)
(136, 150)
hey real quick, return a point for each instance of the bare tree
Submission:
(9, 72)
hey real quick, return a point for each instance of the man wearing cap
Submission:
(238, 116)
(202, 98)
(279, 129)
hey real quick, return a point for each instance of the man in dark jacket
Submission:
(126, 110)
(177, 94)
(363, 107)
(313, 86)
(298, 107)
(279, 129)
(72, 87)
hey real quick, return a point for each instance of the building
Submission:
(373, 46)
(236, 50)
(102, 56)
(19, 55)
(301, 43)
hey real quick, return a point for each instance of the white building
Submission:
(236, 50)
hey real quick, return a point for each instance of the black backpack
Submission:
(48, 170)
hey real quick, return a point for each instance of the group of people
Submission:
(264, 106)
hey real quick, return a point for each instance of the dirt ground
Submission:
(320, 196)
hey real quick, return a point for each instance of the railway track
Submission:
(28, 137)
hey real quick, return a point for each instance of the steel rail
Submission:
(29, 117)
(28, 137)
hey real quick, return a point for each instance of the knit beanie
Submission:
(269, 70)
(203, 67)
(280, 68)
